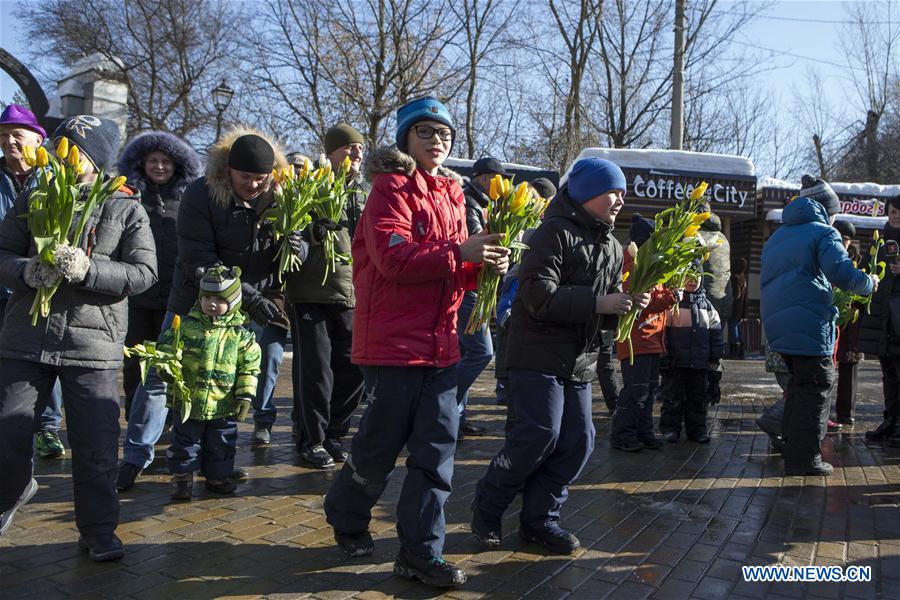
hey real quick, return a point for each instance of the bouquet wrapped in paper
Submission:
(333, 200)
(167, 362)
(667, 258)
(510, 212)
(58, 211)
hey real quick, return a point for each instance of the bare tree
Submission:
(172, 53)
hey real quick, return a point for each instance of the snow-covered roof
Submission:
(857, 189)
(671, 160)
(858, 221)
(468, 162)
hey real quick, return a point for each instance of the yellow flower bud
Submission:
(494, 191)
(701, 218)
(876, 235)
(118, 182)
(331, 177)
(62, 148)
(699, 191)
(507, 186)
(520, 197)
(691, 231)
(41, 159)
(176, 322)
(626, 276)
(74, 157)
(345, 165)
(28, 154)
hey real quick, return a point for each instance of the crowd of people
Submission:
(184, 256)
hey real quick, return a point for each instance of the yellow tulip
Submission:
(307, 167)
(691, 231)
(626, 276)
(698, 191)
(701, 218)
(41, 159)
(74, 157)
(176, 322)
(876, 235)
(288, 172)
(28, 153)
(520, 197)
(62, 148)
(495, 187)
(331, 177)
(507, 186)
(345, 165)
(118, 182)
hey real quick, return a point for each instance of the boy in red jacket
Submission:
(632, 424)
(412, 262)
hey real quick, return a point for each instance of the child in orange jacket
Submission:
(632, 424)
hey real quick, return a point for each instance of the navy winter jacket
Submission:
(694, 334)
(800, 263)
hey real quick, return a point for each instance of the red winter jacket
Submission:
(649, 331)
(407, 270)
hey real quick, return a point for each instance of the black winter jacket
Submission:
(876, 325)
(160, 202)
(694, 334)
(215, 226)
(572, 259)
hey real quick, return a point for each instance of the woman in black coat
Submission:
(160, 166)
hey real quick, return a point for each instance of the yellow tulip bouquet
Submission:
(847, 302)
(667, 258)
(334, 194)
(295, 196)
(57, 213)
(167, 363)
(510, 212)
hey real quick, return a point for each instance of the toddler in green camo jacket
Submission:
(220, 364)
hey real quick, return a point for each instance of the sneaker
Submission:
(468, 428)
(48, 444)
(127, 474)
(182, 486)
(769, 425)
(261, 436)
(671, 436)
(239, 473)
(817, 467)
(101, 548)
(487, 531)
(433, 571)
(630, 446)
(701, 439)
(355, 545)
(336, 449)
(551, 536)
(883, 431)
(6, 516)
(317, 457)
(652, 442)
(776, 443)
(223, 487)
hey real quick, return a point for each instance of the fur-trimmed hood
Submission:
(389, 159)
(131, 162)
(216, 178)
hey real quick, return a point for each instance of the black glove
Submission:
(262, 310)
(299, 246)
(322, 226)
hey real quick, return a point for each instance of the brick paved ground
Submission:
(676, 523)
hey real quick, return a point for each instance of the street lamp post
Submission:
(221, 98)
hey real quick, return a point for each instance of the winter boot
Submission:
(433, 571)
(182, 486)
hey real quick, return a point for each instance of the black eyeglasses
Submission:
(426, 132)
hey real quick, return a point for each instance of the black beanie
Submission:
(845, 228)
(544, 187)
(339, 136)
(641, 229)
(821, 192)
(95, 137)
(894, 201)
(252, 154)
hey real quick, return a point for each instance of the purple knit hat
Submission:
(14, 114)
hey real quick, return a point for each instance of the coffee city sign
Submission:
(668, 189)
(733, 196)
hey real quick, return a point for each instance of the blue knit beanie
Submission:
(422, 109)
(591, 177)
(641, 229)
